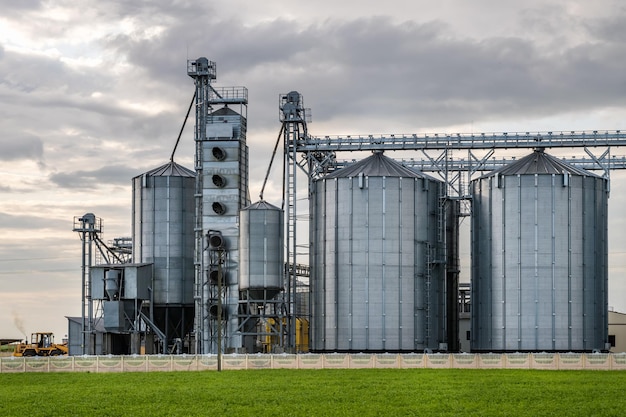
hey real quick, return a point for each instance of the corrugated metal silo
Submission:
(261, 250)
(163, 234)
(539, 258)
(376, 283)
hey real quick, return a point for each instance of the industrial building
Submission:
(361, 256)
(617, 331)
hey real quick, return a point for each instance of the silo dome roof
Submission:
(540, 162)
(171, 169)
(261, 205)
(377, 165)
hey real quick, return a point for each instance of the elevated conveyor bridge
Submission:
(456, 159)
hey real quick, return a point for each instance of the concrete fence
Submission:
(168, 363)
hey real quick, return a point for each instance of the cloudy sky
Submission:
(93, 93)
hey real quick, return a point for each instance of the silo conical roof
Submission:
(171, 169)
(540, 162)
(225, 111)
(261, 205)
(377, 165)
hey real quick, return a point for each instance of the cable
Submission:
(183, 126)
(282, 127)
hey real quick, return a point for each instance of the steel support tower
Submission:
(294, 127)
(89, 227)
(221, 190)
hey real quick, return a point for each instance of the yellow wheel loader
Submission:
(41, 344)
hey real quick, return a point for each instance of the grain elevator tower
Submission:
(221, 164)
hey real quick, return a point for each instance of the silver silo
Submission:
(539, 258)
(261, 251)
(376, 276)
(163, 234)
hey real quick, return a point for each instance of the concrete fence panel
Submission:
(285, 361)
(361, 360)
(234, 362)
(417, 360)
(618, 361)
(386, 360)
(490, 360)
(438, 360)
(571, 361)
(36, 364)
(206, 363)
(166, 363)
(185, 363)
(259, 362)
(135, 364)
(598, 361)
(310, 361)
(516, 360)
(110, 364)
(85, 363)
(60, 364)
(544, 361)
(160, 363)
(336, 360)
(464, 360)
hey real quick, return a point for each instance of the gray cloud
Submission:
(21, 147)
(93, 179)
(25, 221)
(412, 70)
(12, 8)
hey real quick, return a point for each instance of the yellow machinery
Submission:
(41, 344)
(302, 335)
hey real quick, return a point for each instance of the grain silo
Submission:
(261, 251)
(261, 276)
(539, 258)
(376, 275)
(163, 234)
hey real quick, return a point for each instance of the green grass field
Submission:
(355, 392)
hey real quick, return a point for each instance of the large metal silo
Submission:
(163, 234)
(261, 251)
(539, 258)
(376, 270)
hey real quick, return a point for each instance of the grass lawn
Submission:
(338, 392)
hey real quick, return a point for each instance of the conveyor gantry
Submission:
(395, 142)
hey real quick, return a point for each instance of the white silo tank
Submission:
(539, 258)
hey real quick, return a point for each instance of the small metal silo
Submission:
(376, 276)
(163, 234)
(539, 258)
(261, 251)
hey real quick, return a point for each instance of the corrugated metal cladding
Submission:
(375, 285)
(163, 224)
(261, 250)
(539, 258)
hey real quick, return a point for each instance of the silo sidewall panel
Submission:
(263, 243)
(370, 248)
(166, 239)
(359, 254)
(244, 249)
(537, 273)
